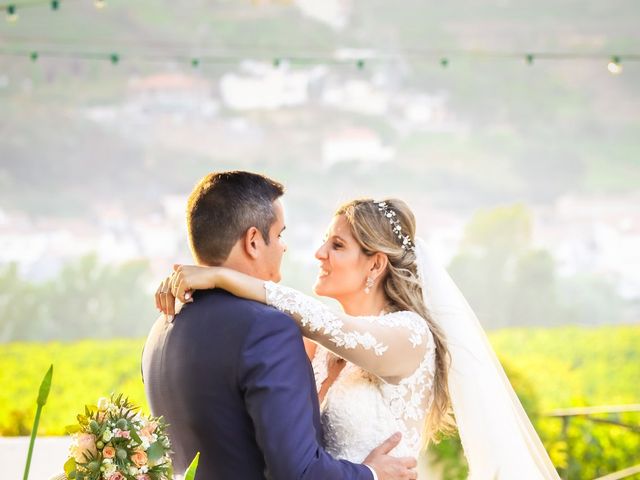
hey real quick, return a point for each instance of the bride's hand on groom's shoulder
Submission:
(181, 284)
(165, 300)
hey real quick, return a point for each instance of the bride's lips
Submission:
(322, 273)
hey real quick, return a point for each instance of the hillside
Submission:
(505, 130)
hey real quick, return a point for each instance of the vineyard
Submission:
(549, 368)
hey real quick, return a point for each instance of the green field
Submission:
(83, 372)
(550, 368)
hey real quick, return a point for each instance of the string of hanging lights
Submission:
(613, 61)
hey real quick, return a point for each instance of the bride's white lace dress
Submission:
(386, 385)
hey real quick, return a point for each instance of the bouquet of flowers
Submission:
(112, 441)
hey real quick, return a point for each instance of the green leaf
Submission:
(190, 474)
(155, 451)
(69, 466)
(45, 387)
(135, 436)
(70, 429)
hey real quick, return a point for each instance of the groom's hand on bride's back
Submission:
(388, 467)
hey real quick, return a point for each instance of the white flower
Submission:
(109, 468)
(103, 403)
(133, 470)
(144, 469)
(107, 435)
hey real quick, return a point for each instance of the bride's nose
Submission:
(321, 253)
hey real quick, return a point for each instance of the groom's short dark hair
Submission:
(223, 206)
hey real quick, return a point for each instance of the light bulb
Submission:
(614, 66)
(12, 14)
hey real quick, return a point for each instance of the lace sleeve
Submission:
(390, 346)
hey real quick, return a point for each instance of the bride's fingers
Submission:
(160, 296)
(180, 289)
(166, 299)
(170, 301)
(179, 286)
(176, 277)
(157, 297)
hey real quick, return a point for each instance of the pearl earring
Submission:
(369, 284)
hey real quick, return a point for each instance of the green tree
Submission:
(533, 290)
(19, 306)
(86, 300)
(493, 243)
(510, 283)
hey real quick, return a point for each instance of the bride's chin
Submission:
(318, 288)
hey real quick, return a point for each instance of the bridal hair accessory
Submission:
(390, 214)
(368, 285)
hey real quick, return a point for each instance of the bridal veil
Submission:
(498, 438)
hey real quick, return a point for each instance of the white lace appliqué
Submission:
(361, 409)
(318, 317)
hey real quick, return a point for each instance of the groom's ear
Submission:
(252, 239)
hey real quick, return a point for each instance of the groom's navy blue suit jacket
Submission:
(232, 379)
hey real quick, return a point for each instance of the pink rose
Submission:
(123, 434)
(86, 444)
(109, 452)
(117, 476)
(139, 458)
(148, 429)
(144, 476)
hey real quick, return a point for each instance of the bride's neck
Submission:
(361, 303)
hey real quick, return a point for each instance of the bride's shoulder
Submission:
(406, 318)
(414, 324)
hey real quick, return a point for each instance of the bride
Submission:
(405, 352)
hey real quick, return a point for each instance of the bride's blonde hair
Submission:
(373, 231)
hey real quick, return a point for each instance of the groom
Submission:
(231, 376)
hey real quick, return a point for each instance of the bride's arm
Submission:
(310, 348)
(390, 346)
